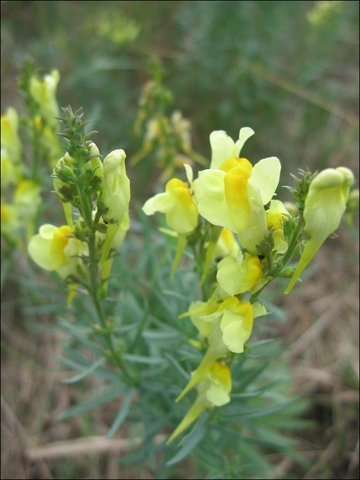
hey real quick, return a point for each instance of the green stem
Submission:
(94, 287)
(36, 151)
(293, 244)
(287, 257)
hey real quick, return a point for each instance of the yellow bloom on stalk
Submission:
(44, 93)
(115, 196)
(213, 391)
(240, 274)
(226, 245)
(232, 193)
(54, 248)
(177, 204)
(9, 135)
(180, 211)
(324, 207)
(57, 249)
(275, 216)
(230, 325)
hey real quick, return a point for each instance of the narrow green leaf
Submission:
(83, 339)
(83, 407)
(85, 372)
(253, 393)
(140, 359)
(160, 336)
(123, 412)
(257, 412)
(190, 441)
(139, 331)
(249, 376)
(177, 366)
(258, 463)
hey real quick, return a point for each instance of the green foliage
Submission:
(226, 64)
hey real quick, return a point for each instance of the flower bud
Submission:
(63, 169)
(115, 195)
(324, 207)
(114, 198)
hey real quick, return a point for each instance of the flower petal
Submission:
(222, 148)
(244, 134)
(265, 176)
(38, 249)
(210, 197)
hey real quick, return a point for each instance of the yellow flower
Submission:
(180, 211)
(240, 274)
(226, 245)
(213, 391)
(57, 249)
(230, 327)
(275, 216)
(177, 204)
(9, 135)
(324, 207)
(44, 93)
(232, 194)
(236, 323)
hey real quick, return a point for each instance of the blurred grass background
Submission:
(287, 69)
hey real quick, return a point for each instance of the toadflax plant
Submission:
(239, 237)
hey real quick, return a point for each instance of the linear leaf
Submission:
(83, 339)
(177, 366)
(190, 441)
(141, 359)
(85, 372)
(83, 407)
(120, 417)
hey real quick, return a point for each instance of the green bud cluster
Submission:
(75, 135)
(302, 187)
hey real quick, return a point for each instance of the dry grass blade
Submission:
(85, 446)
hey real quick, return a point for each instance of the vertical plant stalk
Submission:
(94, 287)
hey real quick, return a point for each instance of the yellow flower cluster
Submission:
(58, 248)
(235, 197)
(20, 190)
